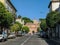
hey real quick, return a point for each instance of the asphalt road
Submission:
(16, 41)
(29, 40)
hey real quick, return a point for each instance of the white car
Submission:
(12, 35)
(3, 37)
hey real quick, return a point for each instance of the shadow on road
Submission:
(50, 42)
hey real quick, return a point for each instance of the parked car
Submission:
(19, 33)
(43, 34)
(12, 35)
(3, 36)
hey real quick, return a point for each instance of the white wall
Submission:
(55, 5)
(20, 21)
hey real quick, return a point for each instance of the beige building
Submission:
(20, 21)
(33, 26)
(9, 6)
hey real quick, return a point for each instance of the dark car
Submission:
(43, 34)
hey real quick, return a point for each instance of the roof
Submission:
(12, 4)
(53, 1)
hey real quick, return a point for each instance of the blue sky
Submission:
(33, 9)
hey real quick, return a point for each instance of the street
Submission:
(28, 40)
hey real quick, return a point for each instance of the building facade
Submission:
(33, 26)
(20, 21)
(9, 6)
(54, 5)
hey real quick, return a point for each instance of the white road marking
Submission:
(25, 41)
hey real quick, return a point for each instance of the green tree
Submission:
(38, 29)
(43, 25)
(25, 29)
(20, 26)
(5, 17)
(58, 17)
(52, 19)
(8, 20)
(19, 16)
(14, 28)
(2, 14)
(26, 20)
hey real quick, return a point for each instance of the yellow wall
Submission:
(3, 1)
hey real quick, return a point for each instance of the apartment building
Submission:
(9, 6)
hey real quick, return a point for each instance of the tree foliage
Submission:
(20, 25)
(25, 29)
(38, 29)
(6, 18)
(52, 18)
(19, 16)
(43, 25)
(14, 28)
(2, 13)
(26, 20)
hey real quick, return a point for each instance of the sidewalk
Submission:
(56, 40)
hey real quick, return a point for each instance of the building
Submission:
(54, 5)
(33, 26)
(9, 6)
(20, 21)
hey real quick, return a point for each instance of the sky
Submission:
(33, 9)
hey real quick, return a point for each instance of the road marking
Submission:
(25, 41)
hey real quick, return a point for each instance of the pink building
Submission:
(33, 26)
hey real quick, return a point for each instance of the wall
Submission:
(55, 5)
(9, 7)
(3, 1)
(33, 26)
(20, 21)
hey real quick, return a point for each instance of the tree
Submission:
(20, 26)
(6, 18)
(38, 29)
(14, 28)
(52, 19)
(27, 20)
(25, 29)
(2, 14)
(19, 16)
(43, 25)
(57, 17)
